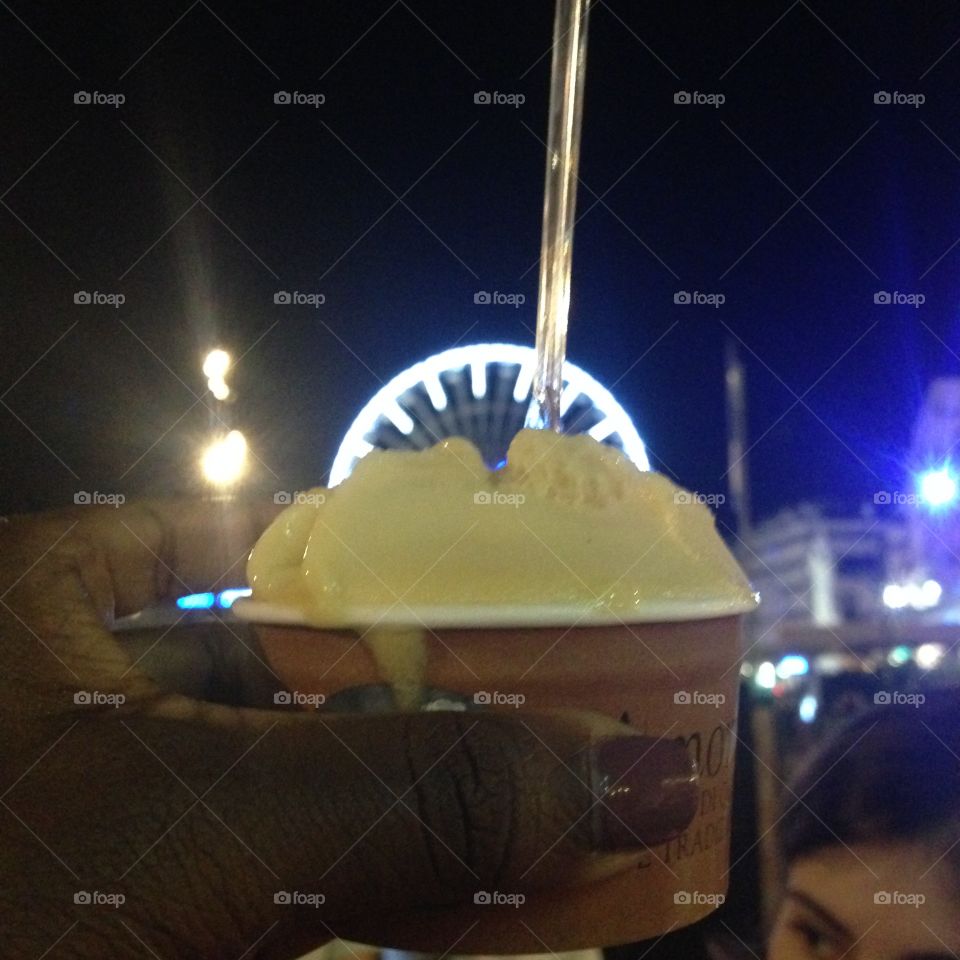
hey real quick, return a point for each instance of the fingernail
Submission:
(647, 791)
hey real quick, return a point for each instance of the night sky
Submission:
(797, 199)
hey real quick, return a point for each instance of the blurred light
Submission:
(930, 593)
(919, 596)
(808, 708)
(792, 665)
(938, 487)
(226, 598)
(831, 664)
(747, 669)
(928, 655)
(216, 364)
(766, 675)
(898, 656)
(218, 388)
(225, 460)
(894, 596)
(196, 601)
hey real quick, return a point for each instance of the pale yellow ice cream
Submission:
(433, 537)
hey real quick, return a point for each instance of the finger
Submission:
(383, 814)
(129, 557)
(159, 549)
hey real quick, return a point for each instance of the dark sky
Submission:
(797, 199)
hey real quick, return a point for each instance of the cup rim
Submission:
(540, 615)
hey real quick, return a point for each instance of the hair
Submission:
(892, 774)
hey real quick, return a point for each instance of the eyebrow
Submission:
(828, 919)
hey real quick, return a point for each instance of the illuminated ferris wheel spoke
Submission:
(478, 379)
(602, 430)
(481, 392)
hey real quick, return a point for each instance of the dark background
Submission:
(700, 198)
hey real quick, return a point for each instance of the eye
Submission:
(818, 942)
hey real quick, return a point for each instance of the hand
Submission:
(182, 819)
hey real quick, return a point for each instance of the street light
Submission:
(225, 460)
(215, 368)
(938, 488)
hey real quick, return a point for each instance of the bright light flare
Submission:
(224, 461)
(766, 675)
(938, 487)
(928, 655)
(216, 364)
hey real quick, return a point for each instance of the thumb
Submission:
(336, 818)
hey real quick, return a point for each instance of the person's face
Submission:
(872, 901)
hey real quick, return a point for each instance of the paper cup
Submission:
(667, 679)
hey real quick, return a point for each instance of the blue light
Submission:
(808, 708)
(792, 665)
(196, 601)
(938, 488)
(226, 597)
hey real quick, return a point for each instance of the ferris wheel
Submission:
(481, 392)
